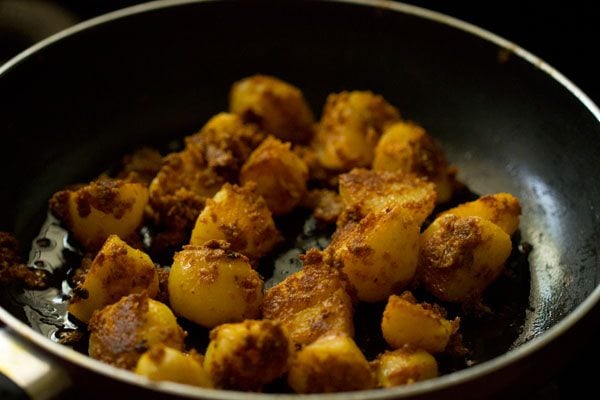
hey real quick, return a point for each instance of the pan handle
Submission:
(26, 372)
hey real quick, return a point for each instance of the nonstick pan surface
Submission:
(145, 76)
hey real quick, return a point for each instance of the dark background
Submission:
(564, 34)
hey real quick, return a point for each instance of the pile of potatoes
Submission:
(213, 207)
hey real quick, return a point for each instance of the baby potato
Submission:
(241, 217)
(350, 127)
(378, 254)
(162, 363)
(247, 355)
(211, 284)
(503, 209)
(406, 147)
(461, 256)
(276, 106)
(121, 332)
(332, 363)
(311, 302)
(374, 191)
(100, 209)
(280, 175)
(116, 271)
(421, 326)
(404, 366)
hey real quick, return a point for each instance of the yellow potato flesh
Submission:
(404, 366)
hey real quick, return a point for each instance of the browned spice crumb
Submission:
(12, 269)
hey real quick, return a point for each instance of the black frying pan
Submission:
(75, 103)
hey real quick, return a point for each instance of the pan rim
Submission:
(440, 383)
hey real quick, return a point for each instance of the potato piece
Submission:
(406, 147)
(350, 127)
(503, 209)
(210, 285)
(120, 333)
(332, 363)
(279, 174)
(461, 256)
(241, 217)
(116, 271)
(378, 254)
(100, 209)
(421, 326)
(311, 302)
(404, 366)
(162, 363)
(373, 191)
(275, 105)
(248, 355)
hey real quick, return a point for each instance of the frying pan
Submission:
(76, 102)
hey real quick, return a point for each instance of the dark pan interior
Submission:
(76, 105)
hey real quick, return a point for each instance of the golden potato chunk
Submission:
(378, 254)
(116, 271)
(363, 191)
(332, 363)
(351, 125)
(102, 208)
(276, 106)
(503, 209)
(461, 256)
(423, 326)
(311, 302)
(247, 355)
(241, 217)
(406, 147)
(211, 284)
(120, 333)
(279, 174)
(162, 363)
(404, 366)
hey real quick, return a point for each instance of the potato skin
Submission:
(423, 326)
(120, 333)
(276, 106)
(404, 366)
(247, 355)
(363, 191)
(350, 126)
(239, 216)
(116, 271)
(332, 363)
(211, 285)
(406, 147)
(100, 209)
(461, 256)
(503, 209)
(280, 175)
(311, 302)
(378, 254)
(162, 363)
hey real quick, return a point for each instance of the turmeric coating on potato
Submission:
(211, 285)
(419, 325)
(239, 216)
(461, 256)
(279, 174)
(311, 302)
(121, 332)
(101, 208)
(350, 126)
(404, 366)
(332, 363)
(276, 106)
(325, 203)
(406, 147)
(116, 271)
(247, 355)
(363, 191)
